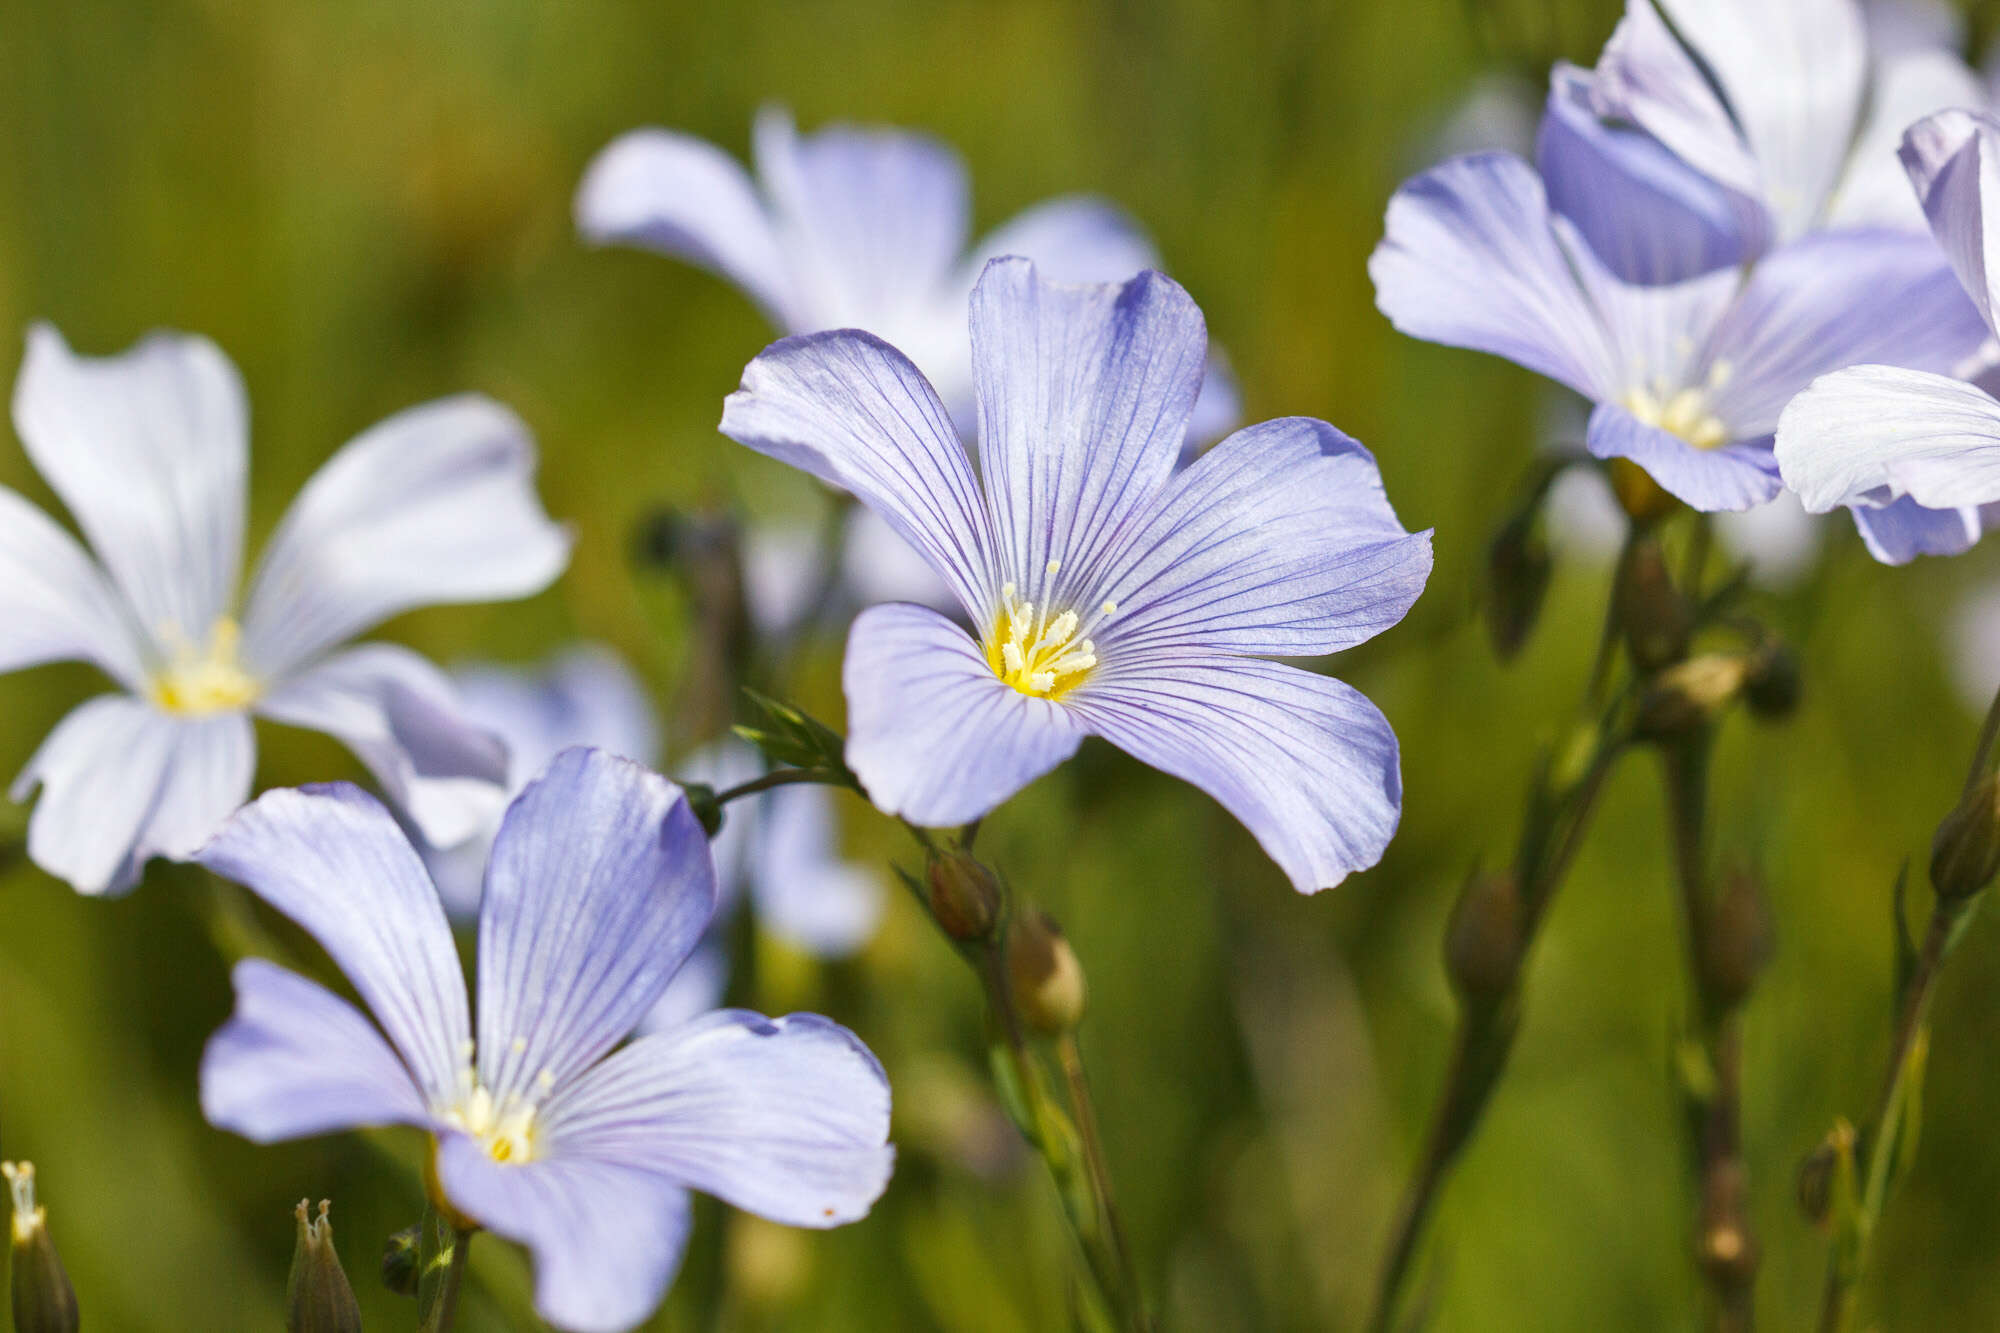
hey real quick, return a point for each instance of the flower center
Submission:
(1039, 653)
(504, 1126)
(1686, 412)
(199, 681)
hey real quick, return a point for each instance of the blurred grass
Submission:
(367, 205)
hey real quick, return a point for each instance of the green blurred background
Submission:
(367, 204)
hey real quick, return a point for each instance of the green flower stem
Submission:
(443, 1252)
(780, 777)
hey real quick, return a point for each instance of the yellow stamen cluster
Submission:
(1683, 412)
(504, 1127)
(199, 681)
(1039, 654)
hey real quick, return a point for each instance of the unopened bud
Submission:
(1736, 941)
(1653, 616)
(1771, 688)
(44, 1301)
(1517, 581)
(1642, 498)
(402, 1261)
(1049, 990)
(963, 894)
(1689, 696)
(1826, 1176)
(317, 1297)
(701, 800)
(1965, 853)
(1482, 944)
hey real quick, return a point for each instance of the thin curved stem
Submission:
(779, 777)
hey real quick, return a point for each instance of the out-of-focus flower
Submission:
(1619, 271)
(547, 1131)
(148, 450)
(861, 227)
(779, 844)
(1110, 593)
(1975, 647)
(1777, 542)
(1920, 449)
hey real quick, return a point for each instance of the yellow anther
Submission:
(200, 681)
(1037, 657)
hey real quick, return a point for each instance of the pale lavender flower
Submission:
(856, 227)
(547, 1131)
(1109, 593)
(777, 848)
(1973, 636)
(1619, 271)
(1915, 447)
(149, 452)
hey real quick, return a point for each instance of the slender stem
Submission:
(443, 1303)
(1070, 1056)
(778, 777)
(1844, 1267)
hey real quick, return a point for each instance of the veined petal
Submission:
(1899, 27)
(1830, 300)
(695, 990)
(599, 886)
(606, 1238)
(296, 1060)
(805, 894)
(55, 605)
(402, 718)
(585, 695)
(434, 505)
(1218, 409)
(1084, 398)
(147, 449)
(1646, 76)
(332, 859)
(1873, 434)
(787, 1118)
(1899, 532)
(872, 221)
(1908, 86)
(1739, 475)
(722, 764)
(100, 773)
(1305, 762)
(1953, 160)
(851, 410)
(1469, 259)
(1646, 214)
(932, 733)
(1075, 238)
(1279, 541)
(684, 197)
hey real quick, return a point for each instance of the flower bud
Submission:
(317, 1297)
(1517, 581)
(1689, 696)
(964, 896)
(1826, 1177)
(44, 1301)
(1653, 616)
(1047, 979)
(1736, 941)
(701, 800)
(1771, 689)
(1965, 853)
(1642, 498)
(402, 1261)
(1483, 942)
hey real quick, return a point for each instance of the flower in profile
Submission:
(778, 848)
(1109, 593)
(1888, 440)
(547, 1130)
(859, 227)
(1616, 269)
(148, 450)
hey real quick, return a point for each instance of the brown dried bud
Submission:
(1643, 499)
(1517, 580)
(1047, 979)
(1736, 940)
(1689, 696)
(317, 1296)
(1652, 615)
(1965, 852)
(964, 895)
(1483, 942)
(44, 1301)
(1827, 1174)
(402, 1257)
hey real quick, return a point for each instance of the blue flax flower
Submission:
(1109, 593)
(859, 227)
(1882, 439)
(149, 452)
(1614, 268)
(547, 1130)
